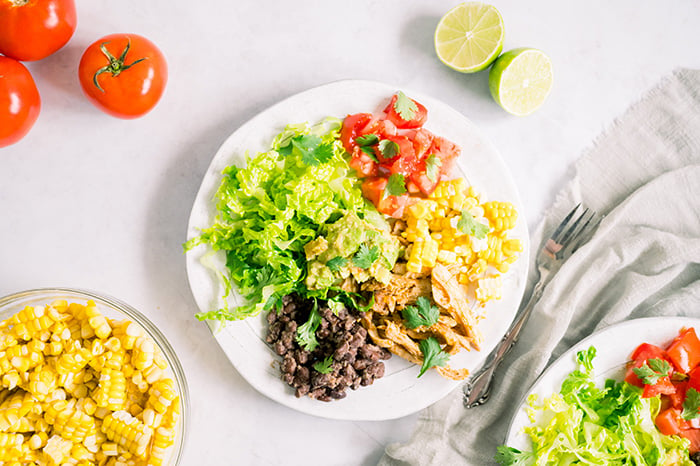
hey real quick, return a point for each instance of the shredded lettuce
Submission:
(268, 210)
(585, 424)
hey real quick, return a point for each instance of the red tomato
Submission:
(641, 355)
(362, 163)
(373, 189)
(446, 151)
(669, 421)
(421, 180)
(405, 150)
(694, 436)
(678, 396)
(694, 379)
(416, 122)
(19, 101)
(662, 387)
(352, 124)
(123, 75)
(34, 29)
(422, 140)
(684, 350)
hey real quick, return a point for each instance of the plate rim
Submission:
(562, 361)
(288, 399)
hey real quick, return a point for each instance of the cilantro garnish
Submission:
(432, 167)
(306, 333)
(325, 366)
(404, 106)
(423, 313)
(310, 148)
(367, 140)
(367, 143)
(336, 263)
(389, 148)
(691, 405)
(335, 305)
(365, 256)
(433, 355)
(468, 225)
(513, 457)
(396, 185)
(652, 370)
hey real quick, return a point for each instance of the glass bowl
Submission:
(113, 309)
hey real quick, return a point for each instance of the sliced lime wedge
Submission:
(520, 80)
(469, 37)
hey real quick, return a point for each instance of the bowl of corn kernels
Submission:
(87, 379)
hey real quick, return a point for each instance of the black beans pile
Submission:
(356, 360)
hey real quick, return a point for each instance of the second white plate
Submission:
(399, 392)
(613, 345)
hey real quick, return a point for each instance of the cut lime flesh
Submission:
(520, 80)
(469, 37)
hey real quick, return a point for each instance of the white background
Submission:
(90, 201)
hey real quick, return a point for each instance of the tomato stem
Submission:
(116, 65)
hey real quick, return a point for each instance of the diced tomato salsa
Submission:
(396, 143)
(671, 373)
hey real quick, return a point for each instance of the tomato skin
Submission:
(35, 29)
(20, 102)
(684, 350)
(416, 122)
(137, 88)
(393, 206)
(363, 165)
(669, 421)
(352, 124)
(662, 387)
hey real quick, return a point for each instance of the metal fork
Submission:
(575, 230)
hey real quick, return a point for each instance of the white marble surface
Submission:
(90, 201)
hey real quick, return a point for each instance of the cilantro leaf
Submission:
(365, 256)
(336, 263)
(335, 305)
(423, 313)
(306, 333)
(396, 185)
(404, 106)
(389, 148)
(369, 150)
(468, 225)
(310, 148)
(652, 370)
(691, 405)
(432, 167)
(509, 456)
(367, 140)
(325, 366)
(433, 355)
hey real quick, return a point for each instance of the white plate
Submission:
(613, 345)
(399, 392)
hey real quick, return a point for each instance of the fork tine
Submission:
(572, 229)
(564, 224)
(586, 232)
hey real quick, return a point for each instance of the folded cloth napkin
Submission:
(643, 174)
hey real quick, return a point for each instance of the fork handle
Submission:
(478, 388)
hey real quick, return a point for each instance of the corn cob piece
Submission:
(128, 432)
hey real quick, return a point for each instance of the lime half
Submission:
(520, 80)
(469, 37)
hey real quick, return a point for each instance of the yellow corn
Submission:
(501, 215)
(128, 432)
(111, 392)
(68, 377)
(162, 439)
(97, 321)
(161, 395)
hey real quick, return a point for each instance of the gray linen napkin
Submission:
(644, 175)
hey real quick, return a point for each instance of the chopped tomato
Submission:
(669, 421)
(648, 351)
(640, 356)
(420, 178)
(422, 140)
(362, 163)
(382, 128)
(419, 116)
(684, 350)
(662, 387)
(446, 151)
(694, 379)
(694, 436)
(405, 149)
(393, 206)
(678, 396)
(352, 125)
